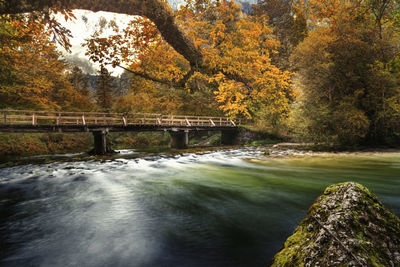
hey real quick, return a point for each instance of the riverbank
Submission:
(47, 144)
(307, 149)
(14, 146)
(138, 145)
(35, 144)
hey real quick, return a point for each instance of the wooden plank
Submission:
(187, 122)
(46, 117)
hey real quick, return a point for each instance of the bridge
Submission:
(100, 124)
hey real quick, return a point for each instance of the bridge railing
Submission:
(29, 117)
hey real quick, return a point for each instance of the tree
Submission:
(79, 80)
(288, 23)
(158, 11)
(348, 75)
(237, 63)
(104, 90)
(124, 83)
(32, 75)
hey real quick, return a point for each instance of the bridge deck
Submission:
(53, 121)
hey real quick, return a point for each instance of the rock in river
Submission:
(346, 226)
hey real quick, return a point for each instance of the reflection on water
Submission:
(223, 208)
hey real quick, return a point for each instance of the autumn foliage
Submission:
(31, 72)
(325, 71)
(348, 72)
(238, 76)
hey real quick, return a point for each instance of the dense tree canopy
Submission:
(349, 72)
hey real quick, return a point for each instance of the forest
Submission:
(313, 71)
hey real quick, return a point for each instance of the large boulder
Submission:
(346, 226)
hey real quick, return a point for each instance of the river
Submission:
(222, 208)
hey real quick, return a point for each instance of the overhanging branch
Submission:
(177, 84)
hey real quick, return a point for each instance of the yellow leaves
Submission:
(33, 75)
(240, 46)
(233, 97)
(236, 47)
(162, 62)
(242, 49)
(218, 33)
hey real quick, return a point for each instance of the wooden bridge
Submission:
(28, 121)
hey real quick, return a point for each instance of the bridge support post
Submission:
(229, 137)
(100, 143)
(179, 139)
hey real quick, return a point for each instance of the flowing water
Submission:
(212, 209)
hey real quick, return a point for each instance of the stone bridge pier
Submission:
(101, 147)
(179, 139)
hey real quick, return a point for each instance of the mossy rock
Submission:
(346, 226)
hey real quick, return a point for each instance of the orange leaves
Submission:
(240, 46)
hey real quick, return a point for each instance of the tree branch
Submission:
(177, 84)
(146, 76)
(158, 11)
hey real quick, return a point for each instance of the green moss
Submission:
(265, 142)
(292, 254)
(371, 243)
(215, 140)
(332, 189)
